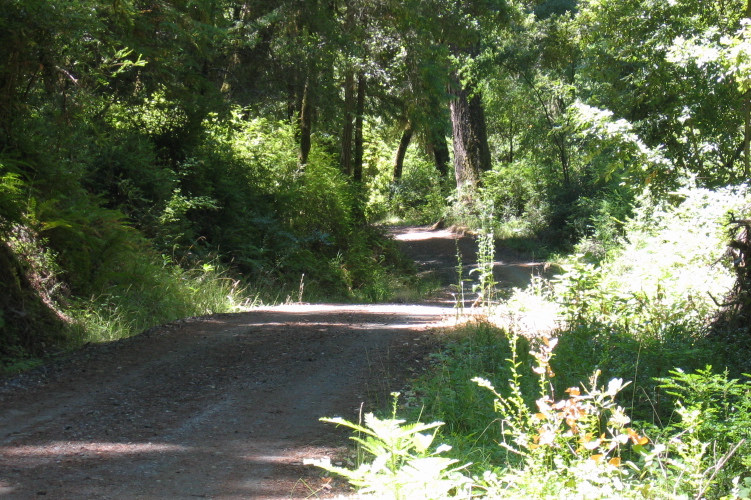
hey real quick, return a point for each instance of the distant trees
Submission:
(475, 84)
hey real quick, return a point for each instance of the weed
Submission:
(583, 443)
(402, 464)
(486, 284)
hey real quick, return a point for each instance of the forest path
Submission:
(225, 406)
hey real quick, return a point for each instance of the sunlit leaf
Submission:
(592, 445)
(422, 442)
(621, 438)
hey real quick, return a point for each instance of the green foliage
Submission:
(29, 324)
(514, 192)
(401, 463)
(632, 310)
(584, 444)
(638, 309)
(448, 393)
(130, 289)
(714, 417)
(148, 293)
(663, 274)
(10, 191)
(618, 149)
(417, 198)
(486, 286)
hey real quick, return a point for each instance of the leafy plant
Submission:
(712, 434)
(10, 190)
(583, 443)
(402, 465)
(486, 284)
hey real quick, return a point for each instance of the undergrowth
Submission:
(517, 435)
(615, 395)
(131, 230)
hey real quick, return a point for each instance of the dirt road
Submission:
(222, 407)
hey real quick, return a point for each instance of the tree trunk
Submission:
(360, 113)
(348, 131)
(471, 150)
(440, 151)
(306, 114)
(747, 119)
(746, 133)
(402, 151)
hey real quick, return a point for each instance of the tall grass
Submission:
(154, 294)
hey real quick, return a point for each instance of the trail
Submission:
(225, 406)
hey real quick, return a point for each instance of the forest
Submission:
(161, 159)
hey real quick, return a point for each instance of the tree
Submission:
(691, 112)
(471, 150)
(466, 40)
(402, 151)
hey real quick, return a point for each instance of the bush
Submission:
(578, 443)
(645, 306)
(516, 193)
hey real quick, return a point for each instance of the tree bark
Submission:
(348, 131)
(747, 119)
(402, 151)
(360, 113)
(471, 150)
(306, 115)
(440, 152)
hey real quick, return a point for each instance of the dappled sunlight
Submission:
(357, 308)
(417, 234)
(63, 449)
(330, 325)
(530, 323)
(517, 264)
(243, 464)
(379, 316)
(301, 476)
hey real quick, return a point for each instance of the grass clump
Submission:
(132, 290)
(153, 294)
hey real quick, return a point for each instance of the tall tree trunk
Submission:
(471, 150)
(402, 151)
(348, 131)
(360, 113)
(747, 119)
(440, 151)
(559, 139)
(306, 114)
(746, 133)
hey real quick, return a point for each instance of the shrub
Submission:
(402, 465)
(579, 443)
